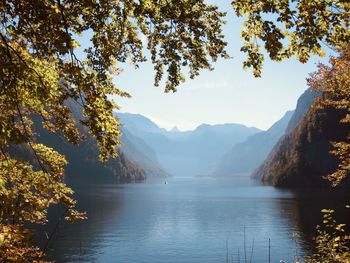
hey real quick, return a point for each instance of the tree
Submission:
(289, 27)
(332, 241)
(334, 82)
(40, 72)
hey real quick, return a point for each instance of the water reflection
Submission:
(190, 220)
(306, 211)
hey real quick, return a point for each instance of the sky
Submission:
(228, 94)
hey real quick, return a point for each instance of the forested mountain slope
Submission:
(302, 158)
(303, 104)
(83, 164)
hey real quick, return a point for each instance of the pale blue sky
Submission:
(226, 95)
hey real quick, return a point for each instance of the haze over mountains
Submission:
(219, 150)
(244, 157)
(140, 153)
(189, 153)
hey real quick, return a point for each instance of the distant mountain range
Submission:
(147, 150)
(244, 157)
(188, 153)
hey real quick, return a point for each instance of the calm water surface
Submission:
(190, 220)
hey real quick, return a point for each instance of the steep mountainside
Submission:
(246, 156)
(302, 158)
(84, 167)
(303, 105)
(187, 153)
(140, 153)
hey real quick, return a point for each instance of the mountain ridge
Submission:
(244, 157)
(187, 153)
(304, 103)
(303, 158)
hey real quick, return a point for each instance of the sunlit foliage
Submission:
(332, 242)
(40, 72)
(15, 245)
(285, 28)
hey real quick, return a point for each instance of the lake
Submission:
(192, 220)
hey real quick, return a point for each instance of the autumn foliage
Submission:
(334, 81)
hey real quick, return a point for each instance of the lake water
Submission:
(191, 220)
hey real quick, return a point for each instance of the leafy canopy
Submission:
(285, 28)
(40, 73)
(332, 241)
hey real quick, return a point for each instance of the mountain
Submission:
(186, 153)
(83, 164)
(302, 157)
(140, 153)
(175, 129)
(246, 156)
(303, 105)
(83, 167)
(138, 122)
